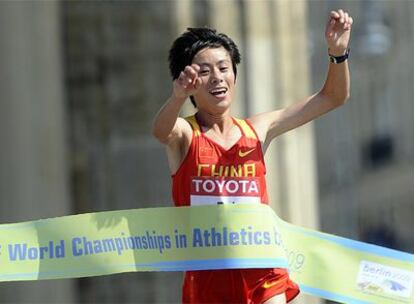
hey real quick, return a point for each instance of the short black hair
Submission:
(186, 46)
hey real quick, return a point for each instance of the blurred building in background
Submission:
(82, 80)
(365, 150)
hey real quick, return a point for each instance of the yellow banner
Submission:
(204, 237)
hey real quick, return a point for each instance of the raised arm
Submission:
(167, 126)
(170, 129)
(334, 92)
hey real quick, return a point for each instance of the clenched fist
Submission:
(188, 82)
(338, 32)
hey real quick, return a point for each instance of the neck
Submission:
(221, 122)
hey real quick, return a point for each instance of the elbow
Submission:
(160, 137)
(154, 130)
(346, 97)
(341, 100)
(155, 133)
(337, 100)
(158, 134)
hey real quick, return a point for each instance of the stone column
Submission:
(278, 75)
(296, 148)
(260, 74)
(33, 173)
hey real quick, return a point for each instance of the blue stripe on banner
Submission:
(330, 295)
(161, 266)
(217, 264)
(357, 245)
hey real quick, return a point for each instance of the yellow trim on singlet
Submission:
(247, 130)
(193, 122)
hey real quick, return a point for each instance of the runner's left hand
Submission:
(338, 32)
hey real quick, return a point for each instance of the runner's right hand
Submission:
(188, 82)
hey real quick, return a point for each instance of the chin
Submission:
(223, 103)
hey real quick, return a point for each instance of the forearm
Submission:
(166, 126)
(166, 118)
(336, 89)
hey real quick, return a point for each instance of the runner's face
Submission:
(218, 79)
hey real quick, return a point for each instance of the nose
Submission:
(216, 76)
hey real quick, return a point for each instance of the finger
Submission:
(194, 80)
(331, 24)
(190, 72)
(196, 67)
(188, 76)
(348, 24)
(197, 83)
(341, 16)
(346, 17)
(183, 80)
(334, 14)
(346, 20)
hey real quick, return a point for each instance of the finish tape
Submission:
(205, 237)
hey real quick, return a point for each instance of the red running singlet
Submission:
(210, 174)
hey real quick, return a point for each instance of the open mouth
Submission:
(219, 92)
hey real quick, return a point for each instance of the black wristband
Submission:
(339, 59)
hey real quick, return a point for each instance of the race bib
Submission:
(224, 190)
